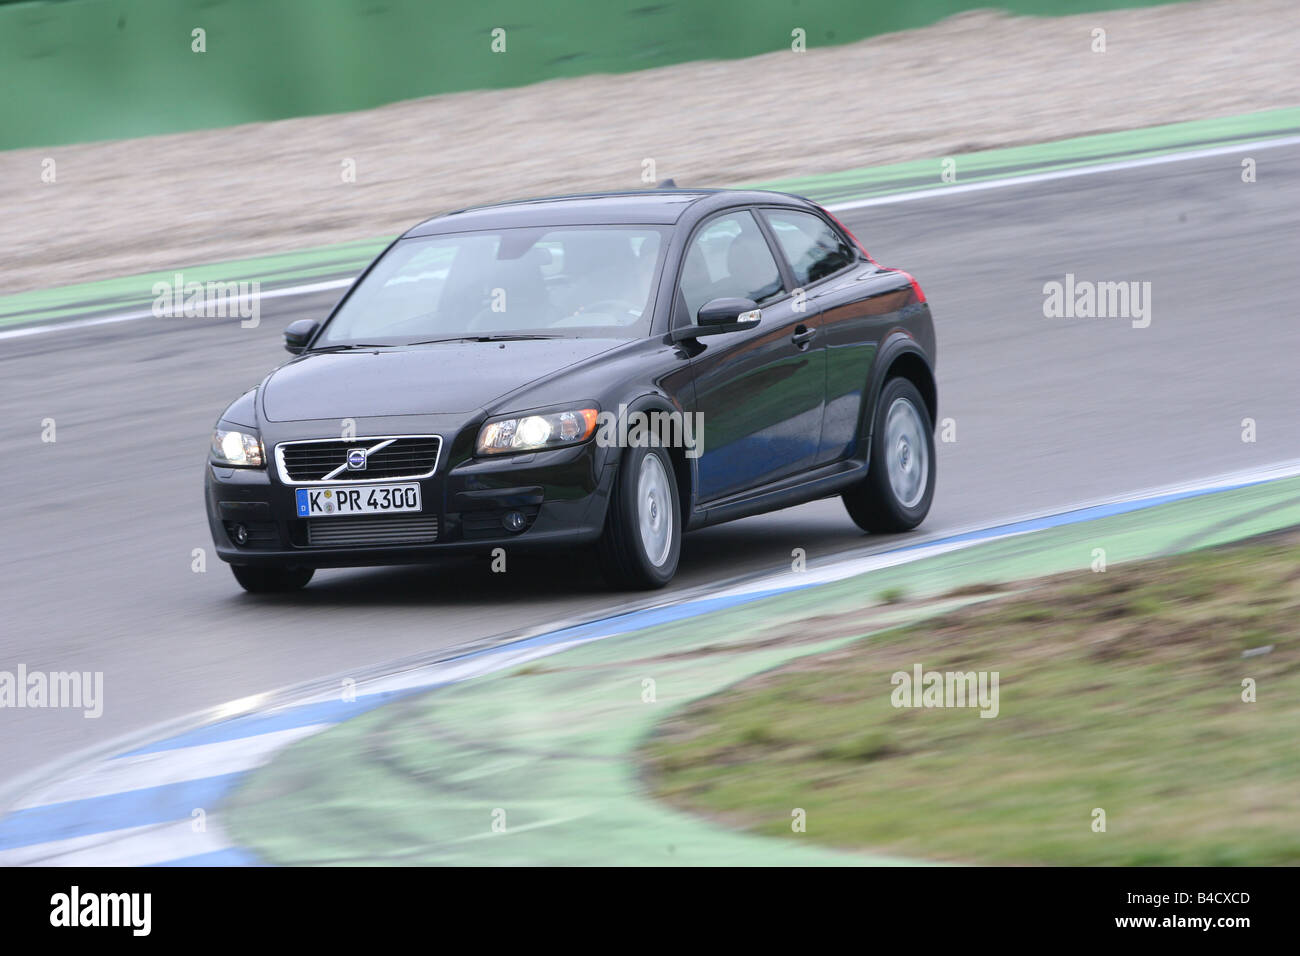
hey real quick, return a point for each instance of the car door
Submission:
(760, 391)
(853, 316)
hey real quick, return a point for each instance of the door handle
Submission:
(803, 335)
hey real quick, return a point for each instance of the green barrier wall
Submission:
(81, 70)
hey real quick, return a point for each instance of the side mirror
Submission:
(298, 334)
(722, 315)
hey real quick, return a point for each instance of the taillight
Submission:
(916, 286)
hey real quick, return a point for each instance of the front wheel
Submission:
(642, 539)
(271, 580)
(896, 494)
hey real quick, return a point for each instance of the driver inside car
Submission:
(611, 272)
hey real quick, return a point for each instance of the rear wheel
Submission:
(896, 494)
(271, 580)
(642, 539)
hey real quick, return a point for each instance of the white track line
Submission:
(148, 313)
(167, 767)
(846, 206)
(1113, 167)
(132, 846)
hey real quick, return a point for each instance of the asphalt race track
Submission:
(99, 526)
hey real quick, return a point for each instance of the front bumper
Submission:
(563, 495)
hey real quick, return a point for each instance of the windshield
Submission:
(581, 281)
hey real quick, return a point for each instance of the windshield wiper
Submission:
(505, 337)
(351, 345)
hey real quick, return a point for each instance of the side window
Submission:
(813, 249)
(729, 258)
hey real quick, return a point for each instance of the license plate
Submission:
(364, 500)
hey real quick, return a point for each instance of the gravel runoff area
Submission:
(974, 81)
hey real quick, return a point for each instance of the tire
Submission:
(271, 580)
(642, 539)
(896, 494)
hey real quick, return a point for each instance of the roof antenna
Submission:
(667, 184)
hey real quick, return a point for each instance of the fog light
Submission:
(514, 520)
(240, 534)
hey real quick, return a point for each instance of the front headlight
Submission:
(535, 432)
(237, 448)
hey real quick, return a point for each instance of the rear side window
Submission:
(729, 258)
(813, 249)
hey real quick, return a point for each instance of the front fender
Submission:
(685, 466)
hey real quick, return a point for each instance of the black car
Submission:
(608, 370)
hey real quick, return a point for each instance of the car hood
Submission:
(418, 380)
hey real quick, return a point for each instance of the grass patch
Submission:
(1120, 690)
(894, 595)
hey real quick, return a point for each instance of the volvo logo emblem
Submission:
(356, 459)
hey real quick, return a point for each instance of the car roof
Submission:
(646, 206)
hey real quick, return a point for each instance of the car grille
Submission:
(370, 530)
(413, 456)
